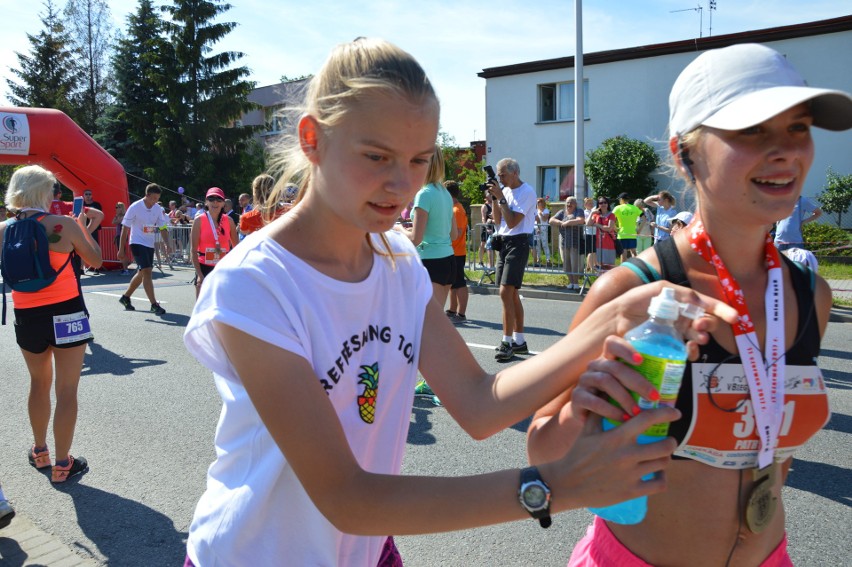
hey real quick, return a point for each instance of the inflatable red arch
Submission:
(49, 138)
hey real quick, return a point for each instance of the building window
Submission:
(275, 119)
(556, 102)
(556, 182)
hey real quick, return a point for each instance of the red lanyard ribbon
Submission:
(766, 382)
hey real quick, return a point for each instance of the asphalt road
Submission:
(148, 411)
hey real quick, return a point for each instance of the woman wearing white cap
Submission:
(740, 120)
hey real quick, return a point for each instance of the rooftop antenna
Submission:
(711, 10)
(700, 11)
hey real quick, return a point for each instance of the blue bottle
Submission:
(663, 362)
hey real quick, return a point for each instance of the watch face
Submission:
(535, 496)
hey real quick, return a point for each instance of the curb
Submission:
(22, 543)
(838, 314)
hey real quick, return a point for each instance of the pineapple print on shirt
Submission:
(367, 400)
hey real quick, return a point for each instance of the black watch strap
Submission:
(530, 475)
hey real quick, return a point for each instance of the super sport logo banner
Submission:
(14, 134)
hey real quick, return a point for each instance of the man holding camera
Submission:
(514, 214)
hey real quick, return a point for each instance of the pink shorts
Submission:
(600, 548)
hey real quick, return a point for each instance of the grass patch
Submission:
(834, 271)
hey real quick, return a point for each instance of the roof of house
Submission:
(820, 27)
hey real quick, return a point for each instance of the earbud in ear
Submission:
(686, 162)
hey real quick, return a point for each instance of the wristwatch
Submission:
(502, 201)
(534, 495)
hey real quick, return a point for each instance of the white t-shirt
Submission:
(144, 222)
(254, 510)
(520, 200)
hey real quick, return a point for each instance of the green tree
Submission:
(48, 77)
(836, 196)
(91, 31)
(141, 65)
(622, 165)
(204, 144)
(470, 179)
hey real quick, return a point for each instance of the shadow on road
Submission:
(103, 361)
(419, 429)
(12, 554)
(828, 481)
(839, 354)
(839, 422)
(124, 531)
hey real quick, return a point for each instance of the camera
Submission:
(489, 172)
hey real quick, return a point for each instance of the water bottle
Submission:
(663, 362)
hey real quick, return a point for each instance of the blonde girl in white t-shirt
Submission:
(315, 328)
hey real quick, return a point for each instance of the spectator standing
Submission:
(120, 209)
(541, 236)
(213, 235)
(515, 216)
(458, 289)
(588, 246)
(788, 232)
(245, 203)
(143, 219)
(644, 232)
(52, 325)
(191, 211)
(58, 206)
(568, 221)
(664, 203)
(603, 221)
(230, 212)
(89, 202)
(486, 213)
(627, 216)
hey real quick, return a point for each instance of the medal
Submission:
(761, 504)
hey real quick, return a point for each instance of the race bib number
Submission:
(727, 437)
(149, 229)
(71, 328)
(212, 256)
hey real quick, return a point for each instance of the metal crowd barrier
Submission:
(578, 252)
(171, 246)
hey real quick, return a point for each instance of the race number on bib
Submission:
(149, 229)
(71, 328)
(212, 256)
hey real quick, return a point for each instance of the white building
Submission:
(530, 106)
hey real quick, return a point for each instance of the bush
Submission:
(622, 164)
(826, 240)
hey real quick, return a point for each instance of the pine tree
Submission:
(48, 77)
(142, 64)
(206, 145)
(92, 32)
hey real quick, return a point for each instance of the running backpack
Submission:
(25, 261)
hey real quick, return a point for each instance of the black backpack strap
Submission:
(77, 264)
(671, 265)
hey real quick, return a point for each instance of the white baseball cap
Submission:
(742, 85)
(684, 216)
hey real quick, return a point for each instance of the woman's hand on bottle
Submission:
(609, 376)
(604, 468)
(631, 308)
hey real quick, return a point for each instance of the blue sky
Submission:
(452, 40)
